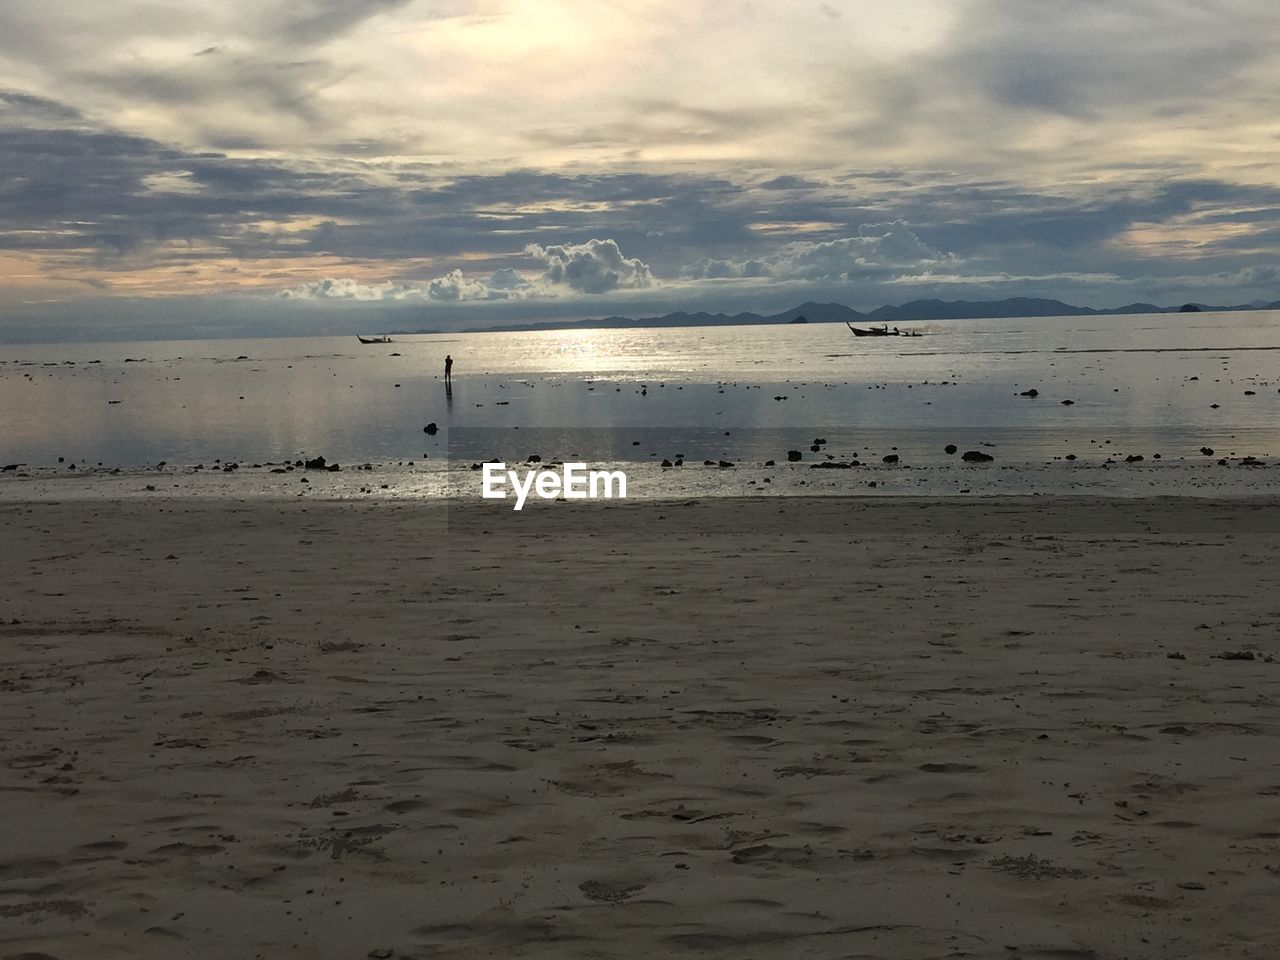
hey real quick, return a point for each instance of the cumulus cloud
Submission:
(454, 286)
(877, 250)
(710, 268)
(880, 252)
(342, 288)
(505, 284)
(596, 266)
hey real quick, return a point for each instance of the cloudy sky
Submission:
(190, 167)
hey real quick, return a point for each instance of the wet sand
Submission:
(767, 729)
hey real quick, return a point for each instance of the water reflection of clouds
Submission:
(333, 397)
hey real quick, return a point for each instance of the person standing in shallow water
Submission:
(448, 369)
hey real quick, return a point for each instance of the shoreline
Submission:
(435, 480)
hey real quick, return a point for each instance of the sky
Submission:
(253, 167)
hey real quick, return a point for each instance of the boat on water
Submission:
(882, 331)
(872, 331)
(378, 339)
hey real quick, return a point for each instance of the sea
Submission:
(1181, 403)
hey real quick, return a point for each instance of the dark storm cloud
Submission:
(17, 107)
(283, 89)
(311, 21)
(105, 195)
(1078, 59)
(1116, 71)
(87, 196)
(789, 182)
(98, 181)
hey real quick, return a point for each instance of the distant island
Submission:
(810, 312)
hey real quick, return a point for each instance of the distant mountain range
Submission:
(811, 312)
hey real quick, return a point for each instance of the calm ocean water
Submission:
(1167, 384)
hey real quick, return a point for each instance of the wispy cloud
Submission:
(879, 250)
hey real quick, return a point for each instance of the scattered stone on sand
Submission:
(431, 429)
(1235, 655)
(976, 456)
(890, 458)
(950, 449)
(1068, 403)
(1207, 451)
(794, 456)
(1033, 392)
(315, 463)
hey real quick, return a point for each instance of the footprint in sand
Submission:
(609, 891)
(188, 849)
(104, 846)
(404, 806)
(348, 795)
(62, 908)
(948, 767)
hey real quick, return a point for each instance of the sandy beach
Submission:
(806, 729)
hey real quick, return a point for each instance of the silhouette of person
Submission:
(448, 369)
